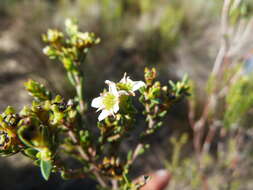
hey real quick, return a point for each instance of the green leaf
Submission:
(31, 152)
(162, 114)
(26, 131)
(129, 155)
(46, 168)
(37, 163)
(155, 101)
(9, 110)
(71, 78)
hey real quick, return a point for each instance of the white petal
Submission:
(116, 108)
(112, 87)
(138, 84)
(97, 102)
(108, 82)
(128, 80)
(103, 115)
(124, 79)
(122, 92)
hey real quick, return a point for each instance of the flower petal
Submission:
(112, 87)
(116, 108)
(128, 80)
(97, 102)
(123, 92)
(103, 115)
(124, 79)
(138, 84)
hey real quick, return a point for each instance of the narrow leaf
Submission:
(45, 168)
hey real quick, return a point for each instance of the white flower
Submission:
(108, 102)
(129, 85)
(46, 50)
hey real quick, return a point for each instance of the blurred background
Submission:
(174, 36)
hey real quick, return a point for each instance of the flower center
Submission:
(109, 101)
(125, 86)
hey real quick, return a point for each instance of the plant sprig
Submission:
(52, 126)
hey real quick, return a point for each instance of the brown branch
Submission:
(86, 158)
(224, 40)
(191, 113)
(210, 135)
(79, 90)
(135, 153)
(198, 126)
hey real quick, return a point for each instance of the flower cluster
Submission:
(157, 99)
(109, 101)
(69, 48)
(9, 142)
(35, 129)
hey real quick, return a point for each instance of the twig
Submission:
(135, 154)
(191, 113)
(79, 91)
(100, 179)
(136, 151)
(114, 184)
(86, 157)
(198, 126)
(242, 39)
(224, 40)
(210, 136)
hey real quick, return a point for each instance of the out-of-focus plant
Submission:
(52, 128)
(158, 25)
(239, 102)
(170, 25)
(228, 82)
(221, 131)
(229, 169)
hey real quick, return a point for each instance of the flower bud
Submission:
(44, 154)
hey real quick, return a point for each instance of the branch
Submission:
(224, 41)
(86, 157)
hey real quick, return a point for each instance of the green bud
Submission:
(9, 110)
(149, 75)
(57, 116)
(44, 154)
(25, 111)
(37, 90)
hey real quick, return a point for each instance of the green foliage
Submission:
(157, 99)
(38, 91)
(239, 101)
(240, 10)
(72, 50)
(223, 171)
(171, 23)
